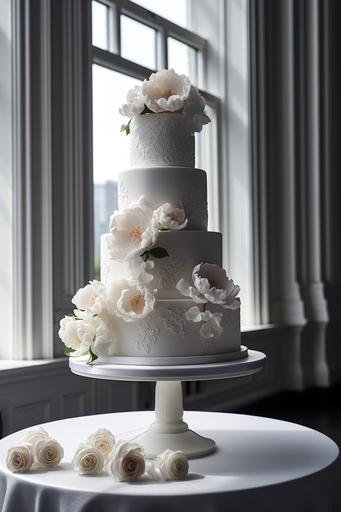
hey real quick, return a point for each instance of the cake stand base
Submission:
(169, 431)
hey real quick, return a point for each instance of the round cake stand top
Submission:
(222, 370)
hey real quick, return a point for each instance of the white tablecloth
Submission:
(260, 464)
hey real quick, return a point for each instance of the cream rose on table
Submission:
(128, 462)
(173, 465)
(211, 284)
(103, 440)
(20, 458)
(169, 217)
(48, 453)
(166, 91)
(131, 302)
(134, 231)
(88, 460)
(33, 436)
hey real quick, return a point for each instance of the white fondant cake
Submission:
(163, 297)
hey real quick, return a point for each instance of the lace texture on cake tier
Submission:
(123, 191)
(161, 146)
(170, 271)
(174, 319)
(148, 336)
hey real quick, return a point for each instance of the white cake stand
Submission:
(169, 431)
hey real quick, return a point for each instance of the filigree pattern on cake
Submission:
(148, 336)
(174, 319)
(170, 270)
(123, 192)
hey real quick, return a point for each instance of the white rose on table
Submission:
(134, 230)
(77, 334)
(20, 458)
(169, 217)
(211, 327)
(103, 440)
(33, 436)
(48, 453)
(173, 465)
(88, 460)
(91, 298)
(211, 284)
(128, 462)
(166, 91)
(129, 301)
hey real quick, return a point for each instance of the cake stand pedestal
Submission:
(169, 431)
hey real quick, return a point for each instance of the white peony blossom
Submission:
(211, 327)
(134, 230)
(48, 453)
(128, 462)
(130, 302)
(77, 334)
(33, 436)
(194, 111)
(20, 458)
(135, 102)
(105, 337)
(90, 298)
(166, 91)
(211, 284)
(88, 460)
(139, 271)
(169, 217)
(103, 440)
(173, 465)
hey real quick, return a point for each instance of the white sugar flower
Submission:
(139, 271)
(77, 334)
(88, 460)
(166, 91)
(211, 327)
(130, 302)
(169, 217)
(103, 440)
(211, 284)
(104, 342)
(33, 436)
(134, 230)
(48, 453)
(194, 111)
(173, 465)
(128, 462)
(135, 102)
(20, 458)
(90, 298)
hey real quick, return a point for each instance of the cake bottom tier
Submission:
(166, 336)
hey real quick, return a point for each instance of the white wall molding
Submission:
(32, 214)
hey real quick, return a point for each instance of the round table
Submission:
(260, 464)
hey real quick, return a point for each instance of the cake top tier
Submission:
(165, 112)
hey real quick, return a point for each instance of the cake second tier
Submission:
(182, 187)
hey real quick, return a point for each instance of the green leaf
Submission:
(68, 351)
(92, 357)
(158, 252)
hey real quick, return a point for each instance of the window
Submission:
(119, 63)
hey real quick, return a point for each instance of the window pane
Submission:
(138, 42)
(100, 25)
(111, 147)
(175, 11)
(182, 58)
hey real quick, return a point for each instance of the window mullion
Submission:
(114, 29)
(162, 49)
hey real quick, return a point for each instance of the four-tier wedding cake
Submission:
(163, 297)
